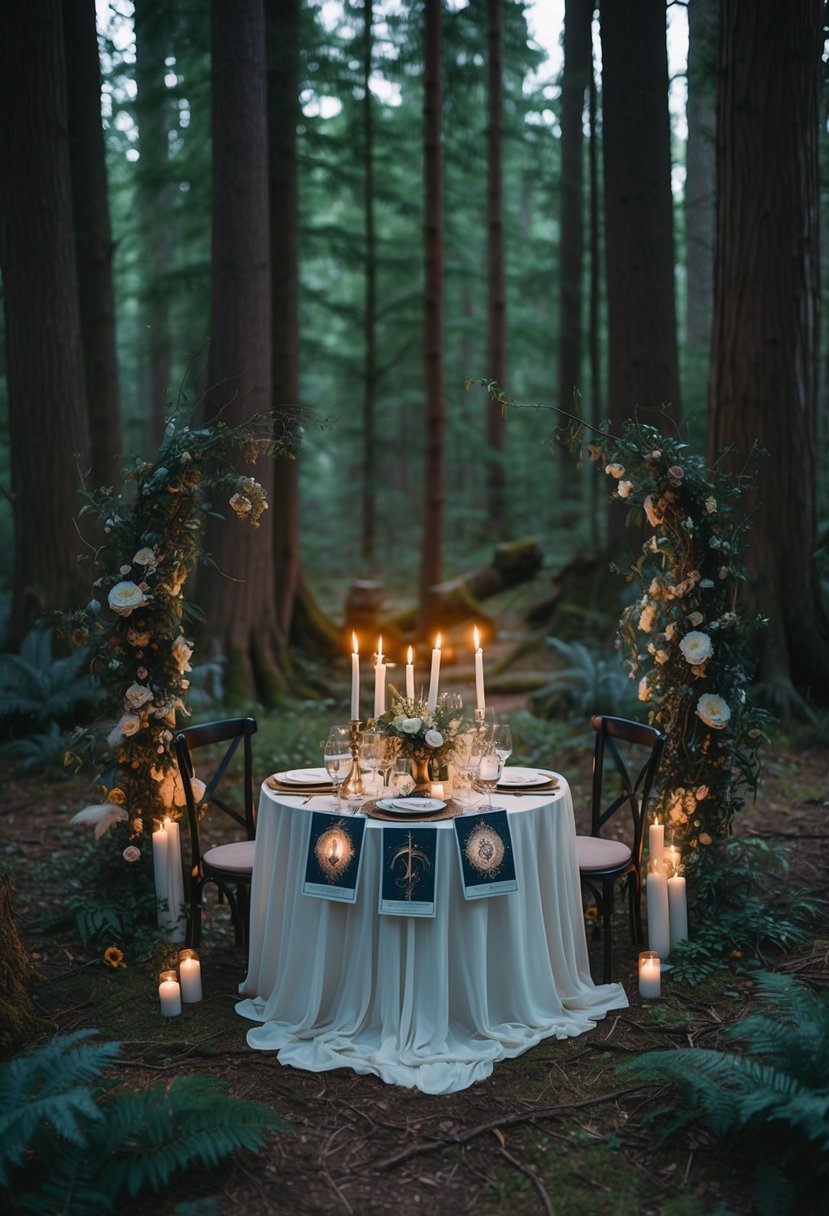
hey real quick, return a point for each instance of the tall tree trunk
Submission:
(700, 184)
(153, 204)
(578, 69)
(764, 378)
(93, 239)
(44, 363)
(496, 345)
(643, 369)
(431, 559)
(369, 472)
(240, 607)
(594, 326)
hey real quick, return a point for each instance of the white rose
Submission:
(128, 724)
(713, 710)
(144, 557)
(624, 489)
(696, 647)
(433, 738)
(411, 726)
(124, 598)
(136, 696)
(241, 505)
(615, 470)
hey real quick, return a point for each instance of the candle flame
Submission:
(437, 642)
(354, 642)
(476, 638)
(380, 649)
(410, 657)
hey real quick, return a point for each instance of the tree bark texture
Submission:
(369, 471)
(283, 115)
(431, 560)
(45, 376)
(93, 240)
(154, 212)
(240, 606)
(765, 346)
(700, 179)
(578, 68)
(642, 359)
(496, 344)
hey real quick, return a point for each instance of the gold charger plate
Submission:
(372, 811)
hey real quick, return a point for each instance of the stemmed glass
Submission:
(337, 762)
(501, 737)
(467, 762)
(490, 770)
(372, 748)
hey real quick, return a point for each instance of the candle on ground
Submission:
(175, 882)
(659, 933)
(169, 993)
(650, 974)
(435, 676)
(480, 699)
(677, 909)
(355, 680)
(656, 843)
(410, 676)
(379, 681)
(189, 969)
(160, 874)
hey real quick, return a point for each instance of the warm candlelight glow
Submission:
(354, 643)
(476, 638)
(410, 656)
(380, 649)
(437, 642)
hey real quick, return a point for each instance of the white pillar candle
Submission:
(169, 993)
(355, 680)
(659, 933)
(437, 790)
(677, 909)
(379, 681)
(650, 974)
(656, 843)
(175, 882)
(410, 676)
(189, 969)
(435, 676)
(160, 874)
(479, 670)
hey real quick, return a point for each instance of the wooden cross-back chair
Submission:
(228, 866)
(622, 782)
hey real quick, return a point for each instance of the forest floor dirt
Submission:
(555, 1130)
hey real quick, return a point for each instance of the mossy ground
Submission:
(555, 1130)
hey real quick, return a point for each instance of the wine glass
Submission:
(501, 737)
(388, 758)
(337, 763)
(467, 759)
(372, 747)
(454, 703)
(489, 771)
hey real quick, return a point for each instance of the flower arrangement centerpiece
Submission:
(685, 638)
(135, 628)
(426, 737)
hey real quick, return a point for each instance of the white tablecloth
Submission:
(431, 1003)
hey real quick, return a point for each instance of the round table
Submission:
(425, 1002)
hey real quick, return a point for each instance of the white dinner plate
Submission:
(524, 777)
(304, 776)
(411, 806)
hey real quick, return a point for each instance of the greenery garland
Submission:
(135, 626)
(685, 638)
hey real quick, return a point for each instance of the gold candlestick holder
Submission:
(353, 784)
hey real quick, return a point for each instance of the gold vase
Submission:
(421, 774)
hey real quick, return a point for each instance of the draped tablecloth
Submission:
(431, 1003)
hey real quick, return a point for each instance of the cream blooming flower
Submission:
(411, 726)
(713, 711)
(131, 853)
(644, 689)
(433, 738)
(125, 597)
(137, 695)
(145, 557)
(241, 505)
(647, 618)
(615, 470)
(127, 725)
(696, 647)
(624, 489)
(711, 505)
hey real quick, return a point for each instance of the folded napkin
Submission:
(291, 787)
